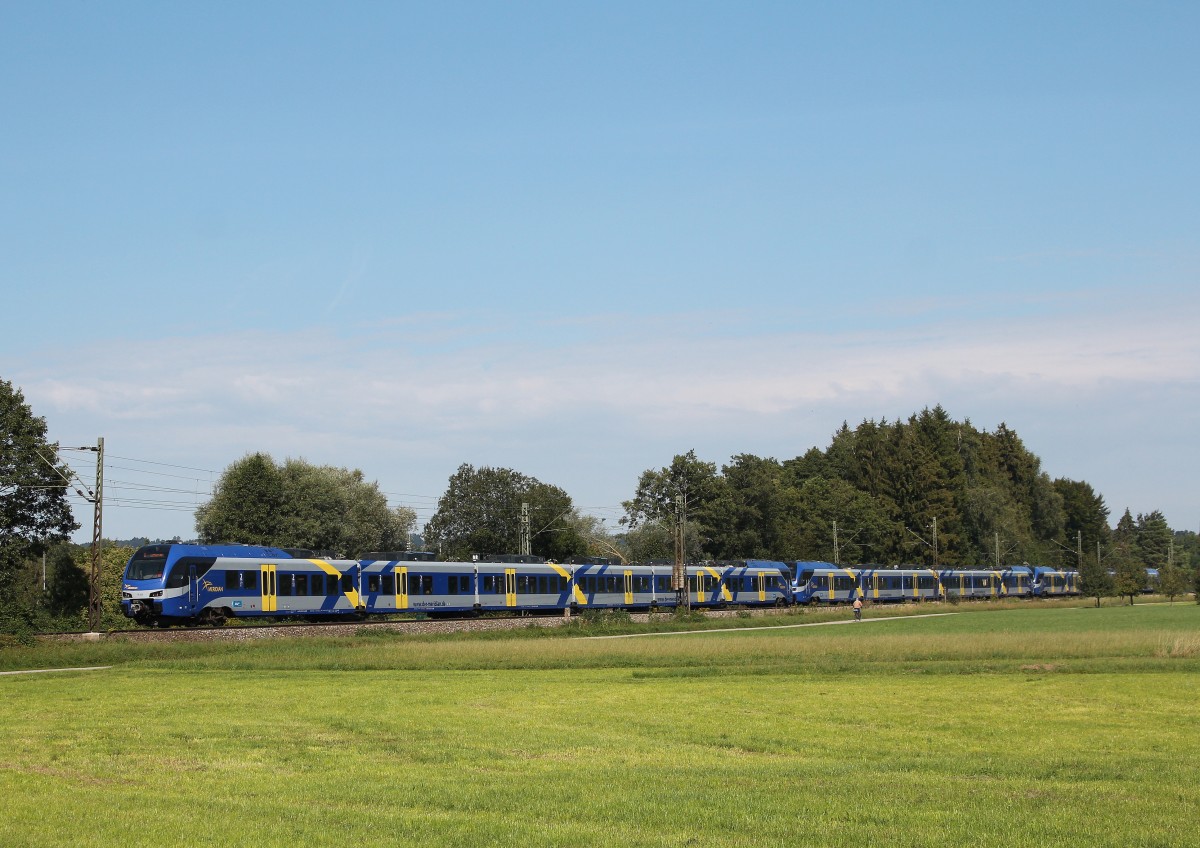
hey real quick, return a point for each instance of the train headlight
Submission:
(157, 594)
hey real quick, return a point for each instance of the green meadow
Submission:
(1039, 725)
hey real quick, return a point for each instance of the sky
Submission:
(577, 239)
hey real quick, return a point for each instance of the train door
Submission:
(270, 597)
(762, 586)
(402, 587)
(510, 587)
(193, 588)
(628, 587)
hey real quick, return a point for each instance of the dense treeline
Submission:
(920, 490)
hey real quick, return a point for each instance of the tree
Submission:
(1172, 581)
(807, 532)
(34, 511)
(68, 590)
(1130, 577)
(1094, 580)
(480, 513)
(300, 505)
(1153, 539)
(708, 503)
(600, 542)
(1084, 512)
(247, 504)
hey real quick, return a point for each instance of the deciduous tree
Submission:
(34, 511)
(1094, 580)
(1172, 581)
(300, 505)
(480, 513)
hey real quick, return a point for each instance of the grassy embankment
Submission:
(1032, 726)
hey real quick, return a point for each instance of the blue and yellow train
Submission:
(825, 583)
(193, 584)
(208, 584)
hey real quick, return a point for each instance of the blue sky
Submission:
(577, 239)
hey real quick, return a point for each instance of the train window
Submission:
(301, 584)
(452, 584)
(178, 578)
(285, 584)
(249, 579)
(331, 584)
(387, 584)
(373, 583)
(233, 579)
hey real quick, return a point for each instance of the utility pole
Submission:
(94, 601)
(836, 560)
(525, 539)
(1079, 549)
(683, 598)
(96, 498)
(997, 532)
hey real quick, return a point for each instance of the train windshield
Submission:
(145, 569)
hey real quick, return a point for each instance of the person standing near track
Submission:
(858, 607)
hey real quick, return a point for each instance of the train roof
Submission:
(174, 550)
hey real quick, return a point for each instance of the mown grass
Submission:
(1035, 727)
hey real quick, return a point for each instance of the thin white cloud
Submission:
(406, 405)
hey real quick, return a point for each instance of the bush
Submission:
(17, 625)
(605, 618)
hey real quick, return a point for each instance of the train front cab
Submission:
(188, 584)
(823, 583)
(1053, 583)
(1018, 581)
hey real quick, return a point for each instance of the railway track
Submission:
(301, 630)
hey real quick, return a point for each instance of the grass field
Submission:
(1036, 726)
